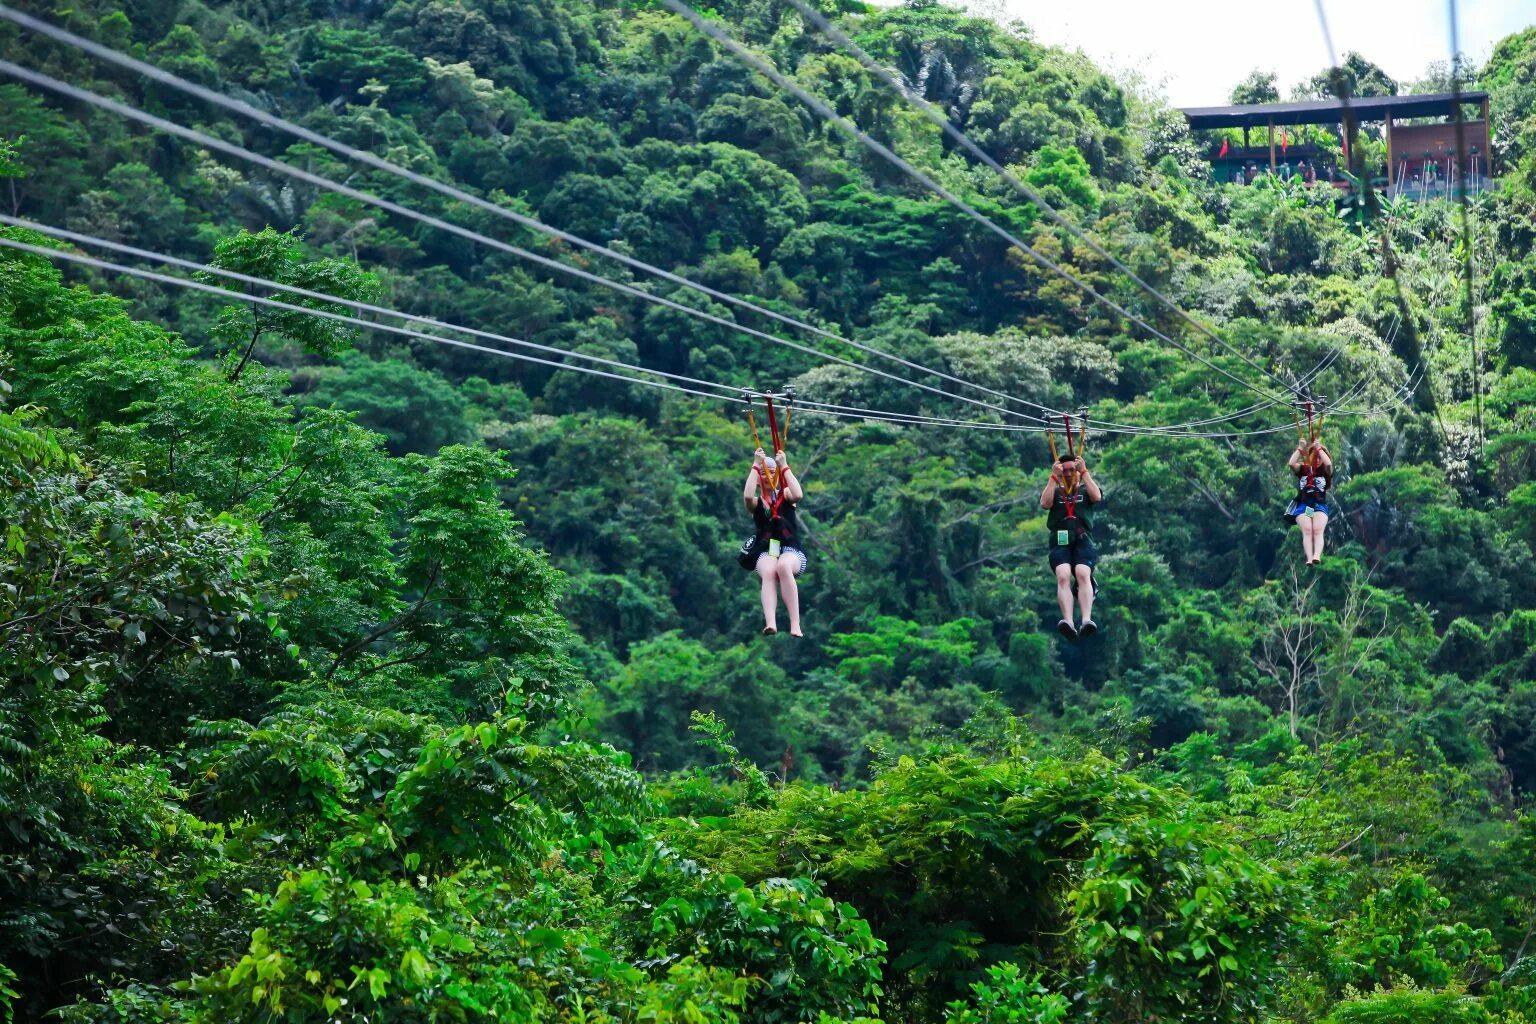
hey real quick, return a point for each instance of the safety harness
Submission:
(1305, 438)
(1068, 487)
(768, 474)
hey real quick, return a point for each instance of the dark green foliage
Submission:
(1258, 87)
(280, 258)
(1355, 76)
(396, 860)
(954, 859)
(314, 643)
(337, 62)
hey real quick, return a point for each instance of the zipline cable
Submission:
(733, 396)
(753, 60)
(729, 394)
(1402, 395)
(1466, 224)
(1373, 207)
(362, 156)
(365, 307)
(157, 74)
(735, 392)
(1259, 407)
(203, 139)
(936, 116)
(1304, 382)
(1301, 382)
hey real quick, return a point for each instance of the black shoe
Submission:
(1089, 628)
(1066, 629)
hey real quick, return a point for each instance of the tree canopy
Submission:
(345, 676)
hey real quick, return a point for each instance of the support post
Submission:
(1391, 157)
(1488, 134)
(1271, 145)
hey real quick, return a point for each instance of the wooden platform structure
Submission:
(1416, 152)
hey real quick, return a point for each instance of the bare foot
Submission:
(795, 631)
(770, 630)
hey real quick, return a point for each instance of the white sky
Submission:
(1194, 51)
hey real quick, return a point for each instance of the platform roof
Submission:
(1366, 108)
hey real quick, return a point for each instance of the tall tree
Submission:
(1258, 87)
(1355, 76)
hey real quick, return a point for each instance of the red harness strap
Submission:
(766, 476)
(783, 490)
(1071, 482)
(778, 502)
(773, 426)
(1311, 460)
(1068, 498)
(778, 446)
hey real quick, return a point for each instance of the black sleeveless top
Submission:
(784, 528)
(1080, 525)
(1312, 487)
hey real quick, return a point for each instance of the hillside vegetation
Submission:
(350, 677)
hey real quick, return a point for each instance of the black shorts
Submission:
(1079, 552)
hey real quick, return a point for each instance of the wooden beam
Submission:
(1271, 145)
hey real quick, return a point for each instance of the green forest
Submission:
(350, 676)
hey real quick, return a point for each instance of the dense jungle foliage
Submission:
(346, 679)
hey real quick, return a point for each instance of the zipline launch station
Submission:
(1427, 152)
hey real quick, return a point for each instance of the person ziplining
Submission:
(1313, 467)
(772, 495)
(1068, 495)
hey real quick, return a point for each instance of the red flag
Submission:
(1285, 140)
(1223, 148)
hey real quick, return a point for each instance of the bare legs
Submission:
(1084, 590)
(789, 590)
(1064, 590)
(778, 577)
(768, 571)
(1082, 577)
(1312, 527)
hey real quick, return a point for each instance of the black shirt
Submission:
(1312, 486)
(785, 528)
(1056, 518)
